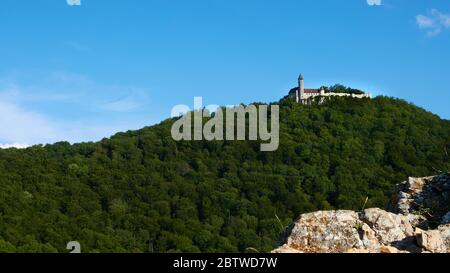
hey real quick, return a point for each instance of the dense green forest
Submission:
(141, 191)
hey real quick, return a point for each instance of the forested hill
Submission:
(141, 191)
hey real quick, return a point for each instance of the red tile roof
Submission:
(312, 90)
(307, 90)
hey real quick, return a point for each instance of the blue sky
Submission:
(81, 73)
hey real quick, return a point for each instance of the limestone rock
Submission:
(430, 240)
(388, 227)
(444, 230)
(427, 196)
(285, 249)
(419, 203)
(357, 250)
(417, 220)
(388, 249)
(328, 231)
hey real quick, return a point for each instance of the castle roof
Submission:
(307, 90)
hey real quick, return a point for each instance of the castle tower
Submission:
(301, 88)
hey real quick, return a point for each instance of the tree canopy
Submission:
(339, 88)
(141, 191)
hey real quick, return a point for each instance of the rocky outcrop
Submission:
(427, 196)
(330, 231)
(436, 240)
(418, 223)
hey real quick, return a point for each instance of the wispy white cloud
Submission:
(434, 22)
(126, 104)
(63, 106)
(74, 89)
(22, 126)
(374, 2)
(14, 145)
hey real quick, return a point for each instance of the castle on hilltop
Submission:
(304, 95)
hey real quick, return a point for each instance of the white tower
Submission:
(301, 88)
